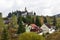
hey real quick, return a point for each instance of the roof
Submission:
(6, 21)
(33, 25)
(48, 25)
(34, 28)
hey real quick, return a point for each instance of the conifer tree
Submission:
(29, 19)
(21, 28)
(45, 20)
(9, 15)
(38, 23)
(54, 21)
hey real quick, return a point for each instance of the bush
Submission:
(54, 36)
(30, 36)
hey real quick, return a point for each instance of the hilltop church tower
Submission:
(25, 9)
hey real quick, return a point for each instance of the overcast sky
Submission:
(41, 7)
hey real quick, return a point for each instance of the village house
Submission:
(46, 28)
(6, 20)
(27, 28)
(32, 28)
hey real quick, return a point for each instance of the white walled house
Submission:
(27, 28)
(46, 28)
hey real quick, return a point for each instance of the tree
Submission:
(9, 15)
(14, 20)
(24, 19)
(14, 13)
(45, 20)
(53, 36)
(54, 21)
(1, 23)
(29, 19)
(21, 28)
(4, 35)
(38, 21)
(30, 36)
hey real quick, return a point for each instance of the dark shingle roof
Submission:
(48, 25)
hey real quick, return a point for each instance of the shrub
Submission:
(30, 36)
(54, 36)
(4, 35)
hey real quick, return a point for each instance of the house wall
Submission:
(44, 28)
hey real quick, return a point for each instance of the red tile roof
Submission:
(33, 25)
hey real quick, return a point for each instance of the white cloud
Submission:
(44, 7)
(6, 4)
